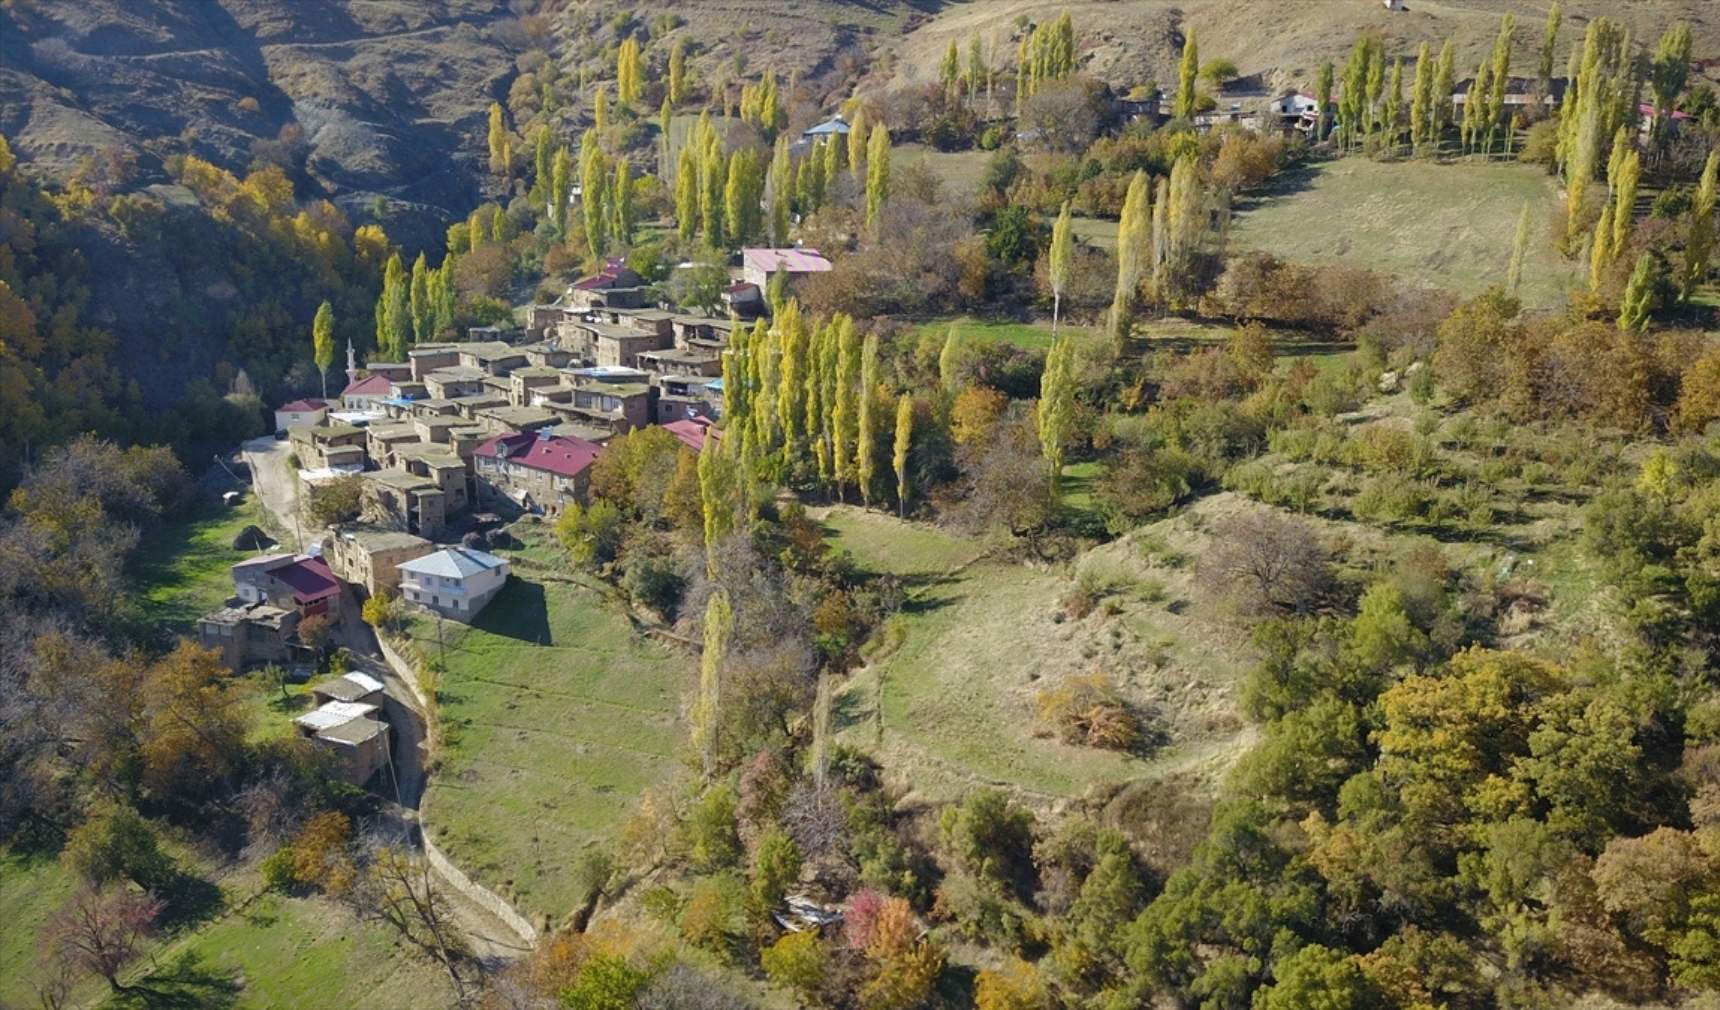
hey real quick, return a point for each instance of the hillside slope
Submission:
(390, 96)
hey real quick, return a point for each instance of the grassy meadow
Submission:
(184, 570)
(1449, 225)
(555, 718)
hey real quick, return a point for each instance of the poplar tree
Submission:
(594, 178)
(543, 165)
(1323, 95)
(629, 75)
(1057, 405)
(845, 404)
(1187, 72)
(947, 360)
(498, 141)
(686, 194)
(1699, 245)
(717, 490)
(1667, 75)
(666, 155)
(713, 184)
(719, 627)
(1624, 185)
(418, 298)
(976, 69)
(835, 155)
(1501, 75)
(1601, 251)
(322, 342)
(441, 287)
(1444, 82)
(1376, 85)
(1549, 46)
(561, 189)
(949, 73)
(1421, 109)
(793, 347)
(1519, 251)
(1638, 295)
(857, 138)
(678, 73)
(1062, 254)
(744, 189)
(600, 108)
(866, 438)
(904, 439)
(394, 314)
(877, 174)
(621, 202)
(1391, 118)
(781, 188)
(1134, 238)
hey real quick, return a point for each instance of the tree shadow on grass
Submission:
(186, 983)
(519, 612)
(190, 900)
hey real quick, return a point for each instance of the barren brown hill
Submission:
(390, 95)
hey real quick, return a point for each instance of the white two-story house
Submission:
(455, 582)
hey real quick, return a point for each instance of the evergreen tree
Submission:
(1699, 245)
(322, 342)
(1638, 295)
(418, 298)
(1061, 256)
(1134, 239)
(686, 194)
(781, 190)
(877, 174)
(678, 73)
(904, 439)
(1187, 72)
(866, 438)
(719, 628)
(1519, 250)
(629, 72)
(1057, 405)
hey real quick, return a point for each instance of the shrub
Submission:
(706, 918)
(796, 961)
(654, 582)
(1086, 709)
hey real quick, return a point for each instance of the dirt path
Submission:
(274, 482)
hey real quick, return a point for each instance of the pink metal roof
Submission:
(370, 385)
(562, 455)
(795, 261)
(692, 432)
(301, 406)
(309, 578)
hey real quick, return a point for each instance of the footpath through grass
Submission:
(555, 718)
(1451, 225)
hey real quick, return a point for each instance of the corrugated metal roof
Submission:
(454, 563)
(333, 714)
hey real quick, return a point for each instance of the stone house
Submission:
(250, 633)
(537, 472)
(453, 381)
(329, 447)
(371, 558)
(524, 380)
(352, 732)
(439, 464)
(302, 583)
(398, 499)
(456, 582)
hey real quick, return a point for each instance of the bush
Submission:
(654, 582)
(797, 961)
(1087, 710)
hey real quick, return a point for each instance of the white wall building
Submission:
(456, 582)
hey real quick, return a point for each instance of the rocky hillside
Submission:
(359, 98)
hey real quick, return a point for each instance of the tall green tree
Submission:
(394, 311)
(1500, 74)
(1421, 109)
(1188, 72)
(594, 193)
(718, 488)
(719, 629)
(947, 361)
(561, 189)
(1057, 405)
(950, 72)
(1061, 256)
(678, 73)
(322, 342)
(498, 141)
(418, 300)
(1638, 296)
(743, 211)
(1134, 242)
(621, 202)
(629, 72)
(1549, 46)
(543, 164)
(1624, 186)
(904, 441)
(857, 138)
(1323, 95)
(845, 403)
(877, 174)
(1667, 76)
(781, 189)
(1444, 82)
(866, 437)
(686, 194)
(1699, 243)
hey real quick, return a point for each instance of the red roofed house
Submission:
(616, 286)
(692, 432)
(538, 472)
(301, 583)
(367, 393)
(300, 412)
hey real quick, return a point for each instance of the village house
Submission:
(384, 439)
(682, 361)
(400, 500)
(524, 380)
(351, 731)
(455, 582)
(328, 447)
(451, 381)
(297, 582)
(371, 557)
(352, 688)
(701, 331)
(759, 265)
(548, 354)
(439, 465)
(426, 358)
(619, 399)
(615, 286)
(542, 319)
(682, 397)
(834, 126)
(252, 633)
(537, 472)
(300, 412)
(491, 357)
(508, 418)
(693, 432)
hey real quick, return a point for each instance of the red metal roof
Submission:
(301, 406)
(309, 578)
(692, 432)
(559, 454)
(370, 385)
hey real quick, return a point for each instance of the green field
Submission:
(1035, 336)
(182, 571)
(555, 717)
(961, 171)
(1453, 226)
